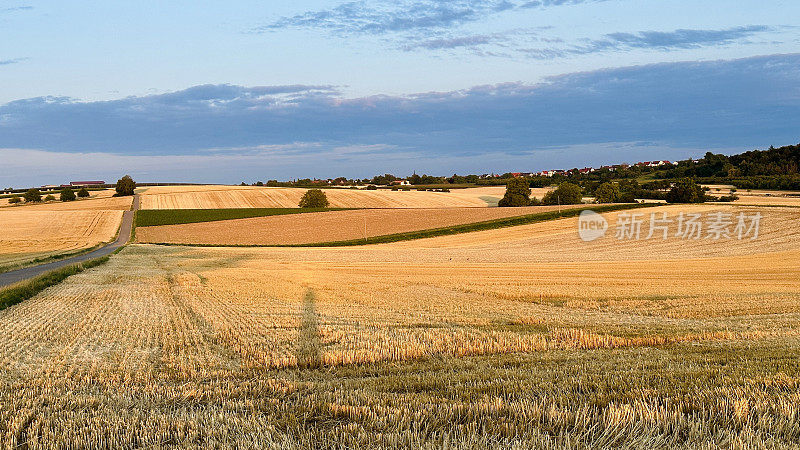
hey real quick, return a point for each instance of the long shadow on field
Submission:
(309, 345)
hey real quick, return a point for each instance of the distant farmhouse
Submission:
(87, 183)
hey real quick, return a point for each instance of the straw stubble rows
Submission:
(490, 338)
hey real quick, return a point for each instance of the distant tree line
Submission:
(775, 168)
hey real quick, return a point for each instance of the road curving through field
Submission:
(124, 235)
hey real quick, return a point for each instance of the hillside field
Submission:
(329, 226)
(33, 233)
(210, 197)
(525, 337)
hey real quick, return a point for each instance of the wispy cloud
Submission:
(653, 40)
(432, 25)
(538, 45)
(8, 62)
(16, 8)
(382, 17)
(448, 43)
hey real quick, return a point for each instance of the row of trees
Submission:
(125, 186)
(35, 196)
(518, 192)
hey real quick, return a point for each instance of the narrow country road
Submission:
(125, 228)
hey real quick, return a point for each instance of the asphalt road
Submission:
(15, 276)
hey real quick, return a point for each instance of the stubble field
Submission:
(209, 197)
(523, 337)
(32, 232)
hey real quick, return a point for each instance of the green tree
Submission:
(686, 190)
(314, 198)
(607, 193)
(383, 179)
(83, 192)
(125, 186)
(33, 196)
(67, 195)
(49, 198)
(14, 199)
(518, 193)
(565, 194)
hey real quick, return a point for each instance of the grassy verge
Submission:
(155, 217)
(456, 229)
(26, 289)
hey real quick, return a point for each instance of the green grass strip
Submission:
(26, 289)
(456, 229)
(156, 217)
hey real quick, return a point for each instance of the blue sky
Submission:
(246, 90)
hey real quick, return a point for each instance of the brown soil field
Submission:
(325, 226)
(30, 233)
(211, 197)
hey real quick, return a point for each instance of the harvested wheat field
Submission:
(769, 200)
(525, 337)
(757, 197)
(325, 226)
(210, 197)
(30, 233)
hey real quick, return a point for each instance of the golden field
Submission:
(771, 200)
(209, 197)
(525, 337)
(325, 226)
(35, 232)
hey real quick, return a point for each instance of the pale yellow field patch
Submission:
(210, 197)
(30, 233)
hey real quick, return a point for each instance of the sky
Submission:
(224, 92)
